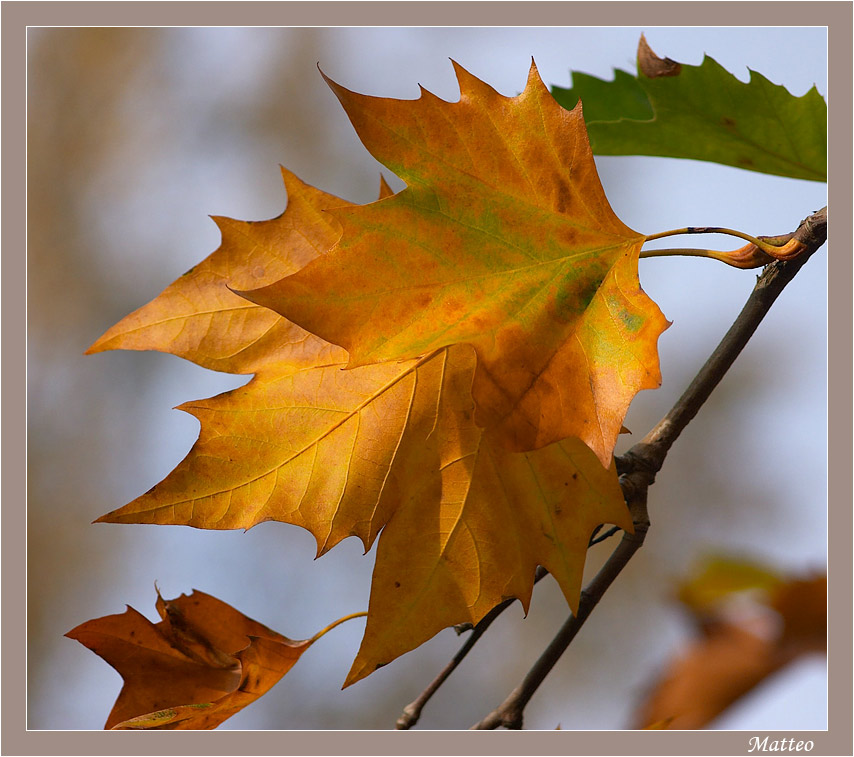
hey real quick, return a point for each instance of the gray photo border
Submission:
(16, 16)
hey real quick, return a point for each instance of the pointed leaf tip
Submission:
(651, 65)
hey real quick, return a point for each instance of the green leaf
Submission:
(705, 113)
(621, 98)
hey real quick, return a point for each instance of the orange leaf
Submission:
(503, 239)
(392, 446)
(720, 668)
(739, 646)
(659, 725)
(203, 662)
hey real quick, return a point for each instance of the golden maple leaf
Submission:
(504, 240)
(391, 446)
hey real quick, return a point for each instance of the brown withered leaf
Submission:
(203, 662)
(653, 66)
(740, 643)
(391, 447)
(725, 664)
(802, 604)
(504, 240)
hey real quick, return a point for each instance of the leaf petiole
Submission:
(763, 245)
(749, 256)
(745, 257)
(689, 251)
(337, 623)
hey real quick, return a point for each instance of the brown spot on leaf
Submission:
(423, 300)
(562, 195)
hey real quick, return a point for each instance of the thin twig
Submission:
(412, 711)
(639, 466)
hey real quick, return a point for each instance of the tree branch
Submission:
(639, 466)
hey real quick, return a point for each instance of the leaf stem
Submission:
(688, 251)
(745, 257)
(760, 243)
(337, 623)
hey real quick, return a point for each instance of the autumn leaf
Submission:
(504, 240)
(703, 113)
(202, 663)
(391, 447)
(751, 622)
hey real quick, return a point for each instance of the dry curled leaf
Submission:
(199, 665)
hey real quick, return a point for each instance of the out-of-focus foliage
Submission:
(751, 622)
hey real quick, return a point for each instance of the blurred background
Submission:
(137, 135)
